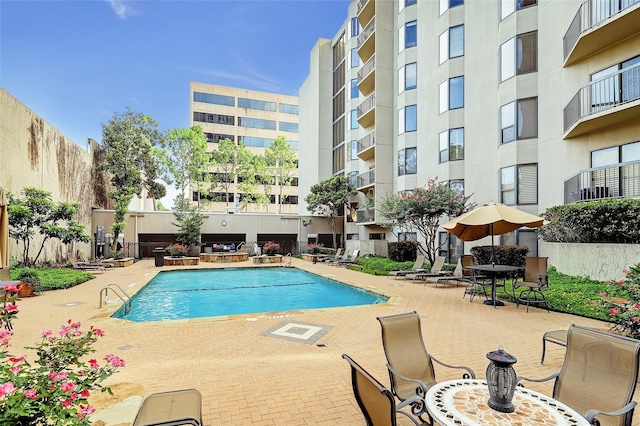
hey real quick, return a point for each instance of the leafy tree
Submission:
(188, 221)
(185, 157)
(327, 196)
(421, 209)
(36, 211)
(248, 181)
(265, 179)
(226, 160)
(128, 140)
(282, 159)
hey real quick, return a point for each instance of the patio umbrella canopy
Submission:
(490, 219)
(4, 231)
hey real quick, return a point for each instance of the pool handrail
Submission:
(126, 300)
(286, 264)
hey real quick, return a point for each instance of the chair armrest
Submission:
(421, 391)
(470, 372)
(590, 415)
(553, 376)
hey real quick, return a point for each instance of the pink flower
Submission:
(98, 332)
(635, 319)
(114, 360)
(7, 389)
(620, 282)
(46, 333)
(93, 364)
(16, 369)
(11, 308)
(67, 387)
(614, 311)
(30, 393)
(75, 325)
(11, 288)
(85, 393)
(67, 403)
(85, 411)
(63, 331)
(14, 360)
(603, 294)
(624, 270)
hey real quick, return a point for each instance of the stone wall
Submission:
(597, 261)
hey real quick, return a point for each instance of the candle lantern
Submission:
(502, 380)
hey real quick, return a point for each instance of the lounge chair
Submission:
(455, 276)
(85, 267)
(336, 257)
(598, 376)
(174, 408)
(417, 267)
(350, 260)
(376, 402)
(410, 365)
(436, 270)
(535, 282)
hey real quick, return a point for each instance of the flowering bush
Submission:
(270, 248)
(120, 254)
(55, 387)
(178, 250)
(315, 248)
(625, 312)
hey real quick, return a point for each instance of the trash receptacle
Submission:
(159, 253)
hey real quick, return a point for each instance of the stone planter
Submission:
(127, 261)
(181, 261)
(224, 257)
(313, 257)
(276, 258)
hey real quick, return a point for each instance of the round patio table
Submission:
(493, 271)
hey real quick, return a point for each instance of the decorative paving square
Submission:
(70, 304)
(297, 331)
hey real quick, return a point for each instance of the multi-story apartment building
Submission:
(531, 103)
(253, 118)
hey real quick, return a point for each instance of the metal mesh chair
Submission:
(535, 282)
(174, 408)
(410, 365)
(376, 402)
(598, 376)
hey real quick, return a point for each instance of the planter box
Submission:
(224, 257)
(181, 261)
(313, 257)
(127, 261)
(276, 258)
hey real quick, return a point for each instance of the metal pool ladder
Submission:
(118, 291)
(286, 264)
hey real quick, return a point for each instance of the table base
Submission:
(491, 302)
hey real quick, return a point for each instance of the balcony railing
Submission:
(367, 142)
(366, 105)
(367, 179)
(621, 180)
(365, 215)
(366, 32)
(366, 69)
(590, 14)
(361, 4)
(601, 95)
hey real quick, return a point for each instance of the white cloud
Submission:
(120, 8)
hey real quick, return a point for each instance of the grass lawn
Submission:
(56, 278)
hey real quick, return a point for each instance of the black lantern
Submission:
(502, 380)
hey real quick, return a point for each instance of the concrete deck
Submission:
(247, 375)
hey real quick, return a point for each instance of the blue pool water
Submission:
(214, 292)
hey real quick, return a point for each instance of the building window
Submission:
(355, 27)
(408, 119)
(408, 161)
(407, 236)
(353, 237)
(408, 77)
(355, 93)
(450, 246)
(355, 59)
(519, 120)
(612, 87)
(409, 2)
(256, 123)
(289, 109)
(519, 184)
(203, 117)
(519, 55)
(217, 137)
(507, 7)
(289, 199)
(353, 178)
(353, 121)
(452, 43)
(338, 159)
(256, 104)
(353, 150)
(408, 35)
(210, 98)
(452, 94)
(285, 126)
(448, 4)
(377, 236)
(451, 145)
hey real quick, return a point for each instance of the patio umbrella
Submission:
(4, 231)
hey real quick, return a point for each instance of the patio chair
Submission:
(417, 267)
(535, 281)
(476, 282)
(349, 260)
(436, 270)
(455, 276)
(376, 402)
(336, 257)
(598, 376)
(174, 408)
(559, 337)
(409, 364)
(83, 266)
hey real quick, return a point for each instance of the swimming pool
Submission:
(214, 292)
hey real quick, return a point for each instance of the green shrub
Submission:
(55, 278)
(402, 251)
(611, 220)
(504, 255)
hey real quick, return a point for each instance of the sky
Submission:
(77, 62)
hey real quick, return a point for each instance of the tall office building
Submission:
(255, 119)
(531, 103)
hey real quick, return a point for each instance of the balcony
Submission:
(367, 146)
(367, 76)
(366, 10)
(366, 111)
(610, 101)
(367, 41)
(365, 216)
(621, 180)
(366, 180)
(599, 24)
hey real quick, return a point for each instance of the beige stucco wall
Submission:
(34, 153)
(597, 261)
